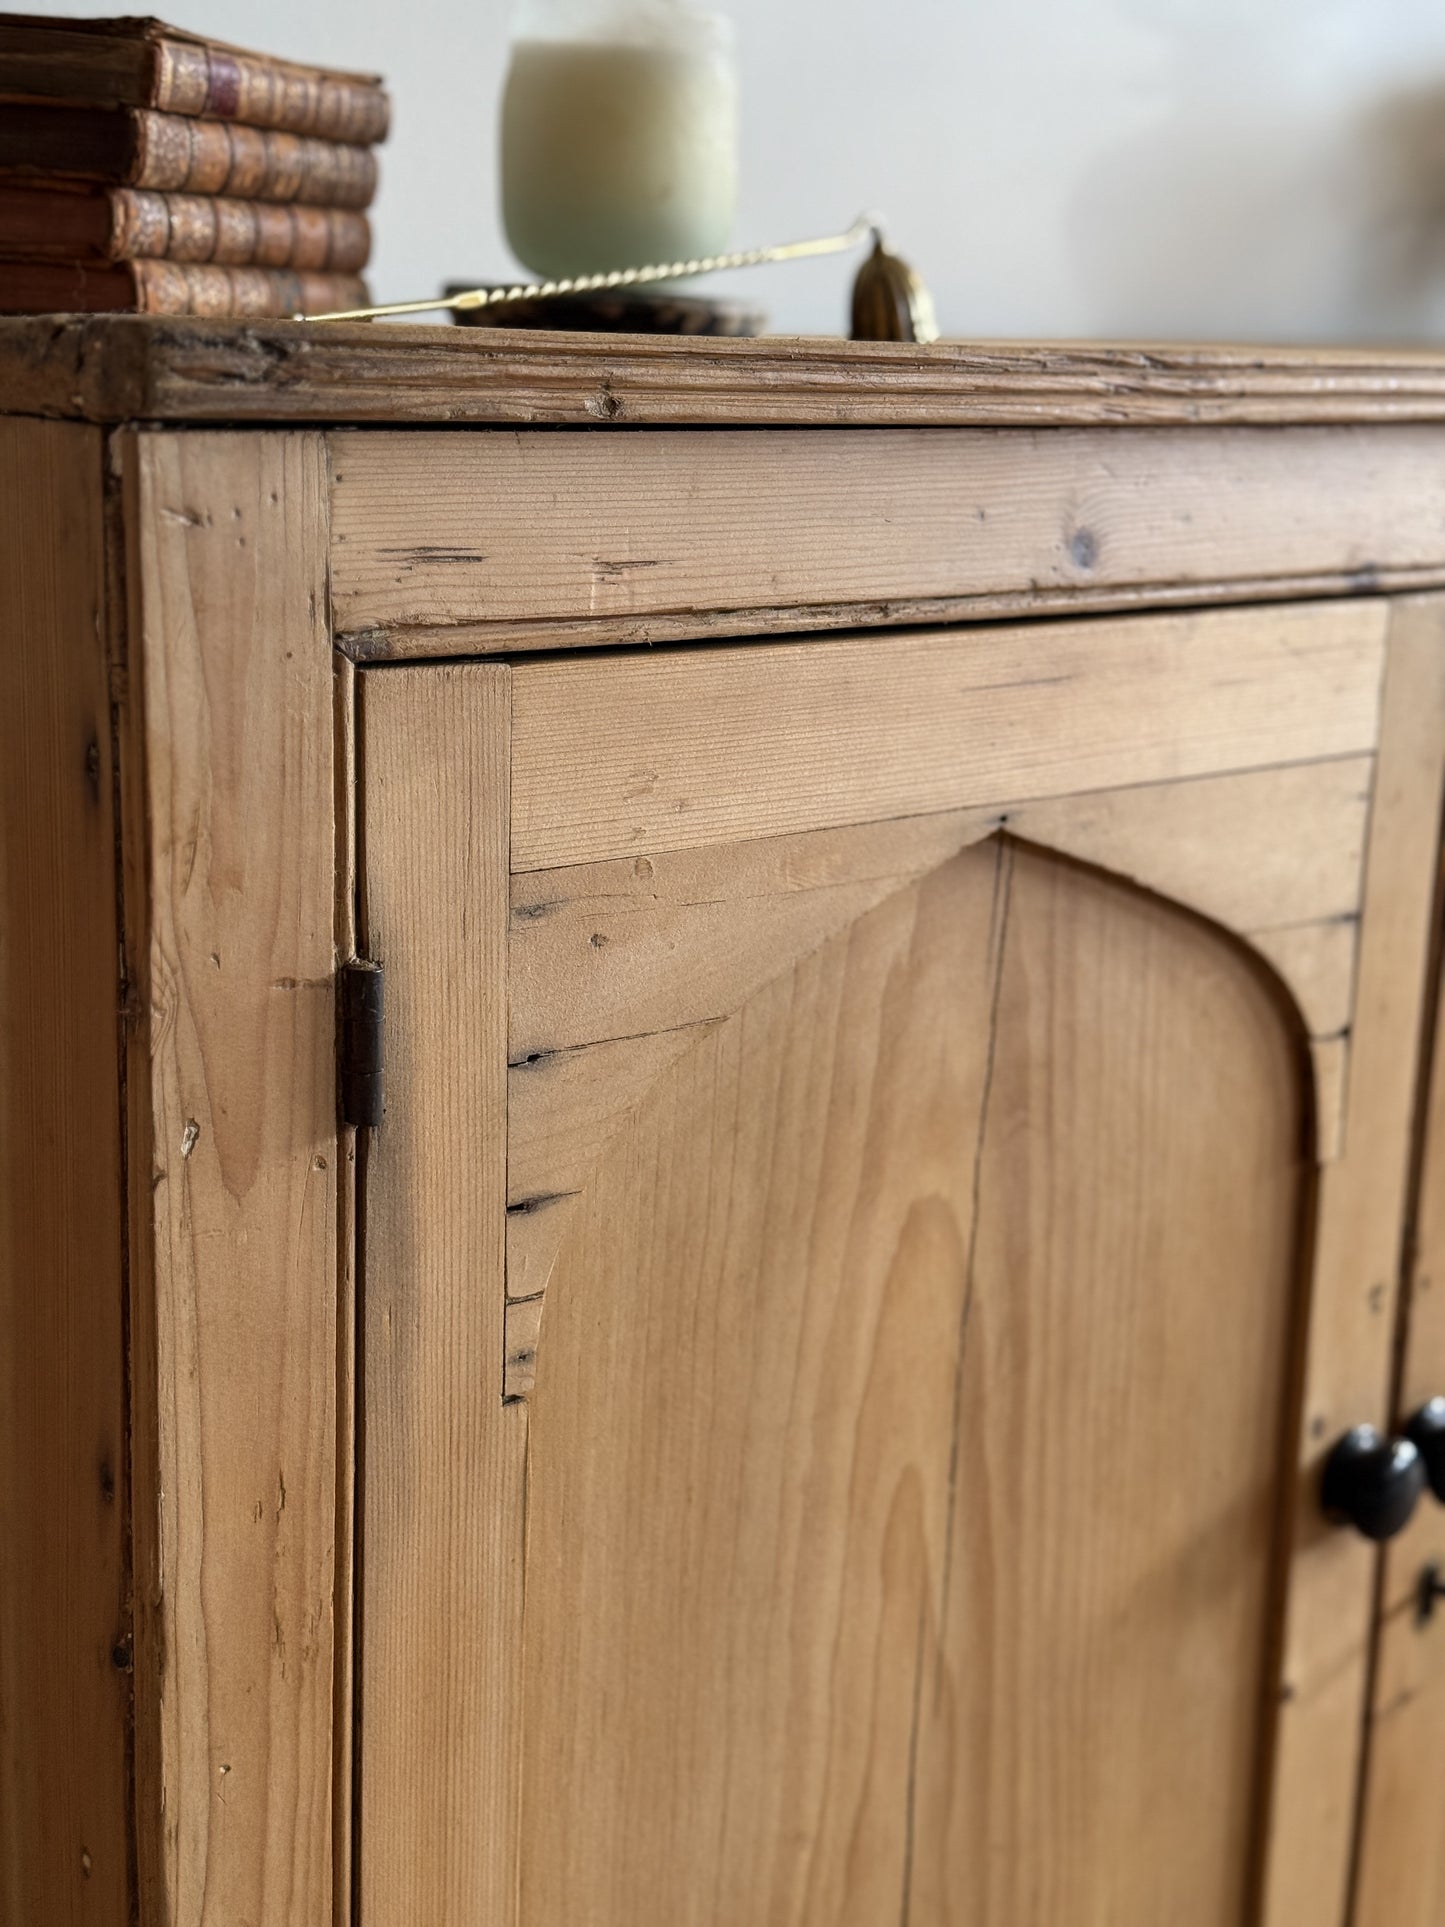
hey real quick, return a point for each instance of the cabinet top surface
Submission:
(133, 368)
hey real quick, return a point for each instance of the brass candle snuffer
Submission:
(890, 301)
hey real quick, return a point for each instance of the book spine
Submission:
(174, 287)
(210, 83)
(177, 155)
(146, 225)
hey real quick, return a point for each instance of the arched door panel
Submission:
(905, 1442)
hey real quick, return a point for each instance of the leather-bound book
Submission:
(144, 63)
(52, 222)
(134, 147)
(172, 287)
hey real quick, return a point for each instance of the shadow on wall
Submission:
(1268, 191)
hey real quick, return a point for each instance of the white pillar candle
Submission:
(619, 135)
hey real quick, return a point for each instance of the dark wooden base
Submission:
(625, 311)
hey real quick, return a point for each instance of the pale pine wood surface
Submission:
(600, 950)
(444, 1461)
(1402, 1835)
(344, 708)
(228, 765)
(638, 1000)
(756, 1626)
(617, 967)
(449, 544)
(119, 368)
(1402, 1865)
(620, 756)
(640, 992)
(1359, 1214)
(64, 1489)
(607, 950)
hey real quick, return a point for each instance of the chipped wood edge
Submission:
(405, 642)
(124, 368)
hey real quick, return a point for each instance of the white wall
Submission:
(1227, 168)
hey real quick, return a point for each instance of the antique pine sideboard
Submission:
(716, 1093)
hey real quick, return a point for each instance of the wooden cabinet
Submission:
(907, 951)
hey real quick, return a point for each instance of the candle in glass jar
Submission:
(619, 135)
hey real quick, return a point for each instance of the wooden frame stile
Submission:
(349, 1176)
(227, 762)
(1354, 1304)
(1401, 1867)
(442, 1504)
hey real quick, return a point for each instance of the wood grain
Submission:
(1402, 1840)
(1402, 1831)
(442, 1492)
(467, 640)
(64, 1498)
(615, 968)
(343, 1803)
(1317, 961)
(117, 369)
(510, 535)
(637, 944)
(1360, 1212)
(621, 757)
(1256, 808)
(234, 1174)
(773, 1670)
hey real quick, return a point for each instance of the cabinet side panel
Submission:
(64, 1687)
(233, 1173)
(443, 1458)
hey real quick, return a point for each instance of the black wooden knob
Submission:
(1426, 1432)
(1372, 1483)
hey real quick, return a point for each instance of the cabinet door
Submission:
(891, 1183)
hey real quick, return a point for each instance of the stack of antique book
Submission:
(147, 170)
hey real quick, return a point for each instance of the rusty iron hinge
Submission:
(363, 1084)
